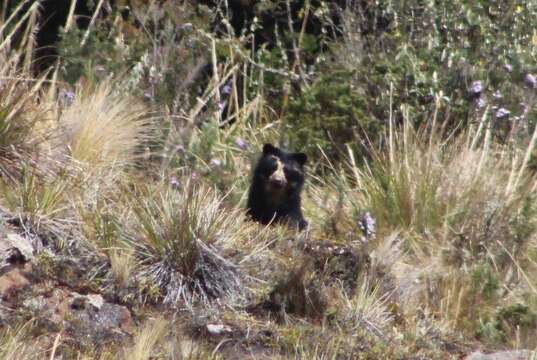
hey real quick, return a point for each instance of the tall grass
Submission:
(14, 343)
(103, 129)
(147, 339)
(457, 209)
(20, 108)
(34, 199)
(21, 115)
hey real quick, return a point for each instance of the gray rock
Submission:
(15, 248)
(218, 329)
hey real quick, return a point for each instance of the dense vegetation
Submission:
(125, 157)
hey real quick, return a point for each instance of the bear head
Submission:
(282, 172)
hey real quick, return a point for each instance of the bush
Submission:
(329, 115)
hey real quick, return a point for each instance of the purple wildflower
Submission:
(174, 182)
(214, 163)
(367, 224)
(241, 143)
(480, 103)
(67, 96)
(180, 148)
(476, 87)
(502, 112)
(508, 67)
(100, 70)
(525, 108)
(221, 105)
(530, 80)
(226, 89)
(497, 94)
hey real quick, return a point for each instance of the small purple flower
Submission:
(476, 87)
(497, 94)
(367, 224)
(508, 67)
(480, 103)
(502, 112)
(100, 70)
(174, 182)
(214, 163)
(525, 108)
(226, 89)
(530, 80)
(221, 105)
(179, 149)
(67, 96)
(241, 143)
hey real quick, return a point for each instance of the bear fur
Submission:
(277, 182)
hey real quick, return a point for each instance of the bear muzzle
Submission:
(277, 180)
(278, 183)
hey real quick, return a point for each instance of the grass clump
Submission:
(35, 199)
(21, 119)
(146, 340)
(178, 235)
(368, 309)
(103, 130)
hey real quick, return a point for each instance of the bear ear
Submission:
(269, 149)
(300, 158)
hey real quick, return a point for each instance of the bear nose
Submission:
(278, 183)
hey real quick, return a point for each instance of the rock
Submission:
(78, 303)
(35, 304)
(502, 355)
(88, 320)
(22, 244)
(218, 329)
(15, 249)
(95, 300)
(98, 326)
(94, 315)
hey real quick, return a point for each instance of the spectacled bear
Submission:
(276, 185)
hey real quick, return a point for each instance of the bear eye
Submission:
(291, 174)
(269, 167)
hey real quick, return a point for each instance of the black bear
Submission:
(276, 185)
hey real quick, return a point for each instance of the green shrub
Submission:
(484, 281)
(329, 115)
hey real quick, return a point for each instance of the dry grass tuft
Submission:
(147, 339)
(21, 133)
(368, 309)
(122, 266)
(103, 129)
(14, 343)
